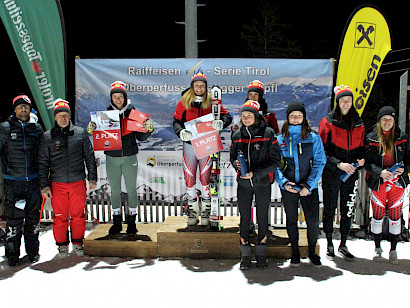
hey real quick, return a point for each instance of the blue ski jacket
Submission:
(302, 160)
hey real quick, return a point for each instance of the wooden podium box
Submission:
(177, 239)
(142, 245)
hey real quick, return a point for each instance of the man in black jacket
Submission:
(19, 137)
(63, 151)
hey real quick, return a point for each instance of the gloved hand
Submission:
(217, 124)
(185, 135)
(149, 126)
(91, 127)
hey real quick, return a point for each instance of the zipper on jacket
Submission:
(249, 153)
(290, 148)
(25, 150)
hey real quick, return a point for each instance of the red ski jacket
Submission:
(183, 115)
(341, 143)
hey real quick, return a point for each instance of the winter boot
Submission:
(260, 254)
(62, 252)
(78, 249)
(132, 227)
(314, 259)
(246, 255)
(193, 210)
(205, 211)
(117, 225)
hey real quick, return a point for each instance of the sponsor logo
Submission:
(365, 35)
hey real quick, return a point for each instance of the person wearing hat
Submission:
(303, 160)
(124, 162)
(342, 132)
(255, 93)
(65, 151)
(19, 139)
(196, 102)
(257, 142)
(386, 145)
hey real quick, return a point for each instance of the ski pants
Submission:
(117, 167)
(191, 163)
(68, 201)
(390, 196)
(28, 217)
(262, 195)
(310, 206)
(331, 185)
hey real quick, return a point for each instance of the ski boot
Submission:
(246, 256)
(132, 227)
(117, 225)
(193, 210)
(260, 254)
(205, 211)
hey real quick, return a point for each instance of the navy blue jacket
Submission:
(19, 147)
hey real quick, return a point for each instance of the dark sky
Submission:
(147, 29)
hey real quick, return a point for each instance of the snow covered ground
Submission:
(127, 282)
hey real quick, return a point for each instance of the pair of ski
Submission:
(215, 216)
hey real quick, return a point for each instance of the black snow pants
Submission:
(22, 221)
(262, 195)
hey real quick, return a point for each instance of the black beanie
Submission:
(296, 106)
(386, 110)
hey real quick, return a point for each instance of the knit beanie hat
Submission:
(199, 77)
(251, 106)
(256, 86)
(386, 110)
(61, 105)
(118, 87)
(21, 99)
(296, 106)
(341, 91)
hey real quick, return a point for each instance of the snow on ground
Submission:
(120, 282)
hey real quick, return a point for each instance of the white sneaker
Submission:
(79, 250)
(393, 257)
(377, 256)
(62, 252)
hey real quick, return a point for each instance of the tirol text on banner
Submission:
(365, 45)
(35, 29)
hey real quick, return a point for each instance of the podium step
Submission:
(175, 239)
(142, 245)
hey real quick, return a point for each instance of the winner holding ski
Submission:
(196, 102)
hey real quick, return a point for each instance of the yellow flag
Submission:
(365, 45)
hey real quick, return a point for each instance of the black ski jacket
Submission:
(374, 161)
(129, 141)
(62, 154)
(18, 147)
(261, 150)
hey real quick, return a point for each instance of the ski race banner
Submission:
(366, 43)
(154, 86)
(35, 29)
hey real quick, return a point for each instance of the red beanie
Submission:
(251, 106)
(61, 105)
(21, 99)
